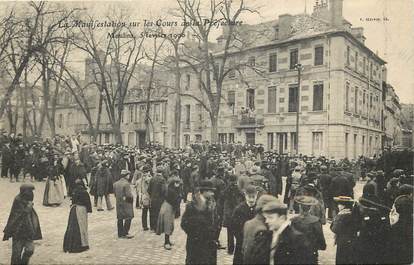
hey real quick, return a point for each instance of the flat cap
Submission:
(263, 200)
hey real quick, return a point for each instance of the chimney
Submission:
(358, 33)
(285, 23)
(335, 8)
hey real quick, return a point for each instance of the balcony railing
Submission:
(248, 121)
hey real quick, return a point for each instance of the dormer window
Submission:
(276, 30)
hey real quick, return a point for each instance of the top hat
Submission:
(206, 185)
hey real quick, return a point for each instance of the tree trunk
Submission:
(117, 133)
(214, 128)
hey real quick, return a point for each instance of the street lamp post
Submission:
(298, 67)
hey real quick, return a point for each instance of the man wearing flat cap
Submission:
(124, 204)
(287, 245)
(255, 232)
(23, 226)
(199, 222)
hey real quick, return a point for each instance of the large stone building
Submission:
(341, 94)
(392, 118)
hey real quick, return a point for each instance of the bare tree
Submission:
(31, 38)
(209, 61)
(115, 59)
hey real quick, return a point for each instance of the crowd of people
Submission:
(238, 187)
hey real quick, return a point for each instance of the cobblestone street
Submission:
(105, 247)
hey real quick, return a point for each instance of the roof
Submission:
(304, 26)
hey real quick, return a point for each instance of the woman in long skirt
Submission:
(55, 188)
(165, 224)
(76, 236)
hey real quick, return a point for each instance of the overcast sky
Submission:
(393, 40)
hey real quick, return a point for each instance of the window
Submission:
(317, 97)
(106, 138)
(250, 99)
(356, 100)
(231, 97)
(319, 55)
(251, 61)
(348, 54)
(370, 101)
(69, 120)
(270, 141)
(293, 58)
(347, 96)
(135, 113)
(199, 110)
(188, 82)
(364, 65)
(346, 144)
(370, 70)
(272, 62)
(156, 112)
(131, 113)
(363, 145)
(271, 99)
(293, 142)
(356, 61)
(60, 120)
(141, 113)
(317, 143)
(222, 137)
(355, 146)
(186, 139)
(231, 138)
(164, 112)
(293, 99)
(187, 116)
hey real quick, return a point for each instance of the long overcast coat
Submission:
(124, 199)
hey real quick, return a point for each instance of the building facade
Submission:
(340, 95)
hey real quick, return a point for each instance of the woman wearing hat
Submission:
(311, 226)
(345, 226)
(76, 235)
(165, 223)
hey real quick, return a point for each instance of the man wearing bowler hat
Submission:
(124, 204)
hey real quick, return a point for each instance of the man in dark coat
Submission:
(311, 226)
(219, 187)
(340, 186)
(124, 205)
(156, 192)
(255, 231)
(287, 245)
(199, 223)
(23, 226)
(244, 212)
(232, 197)
(324, 184)
(77, 170)
(6, 159)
